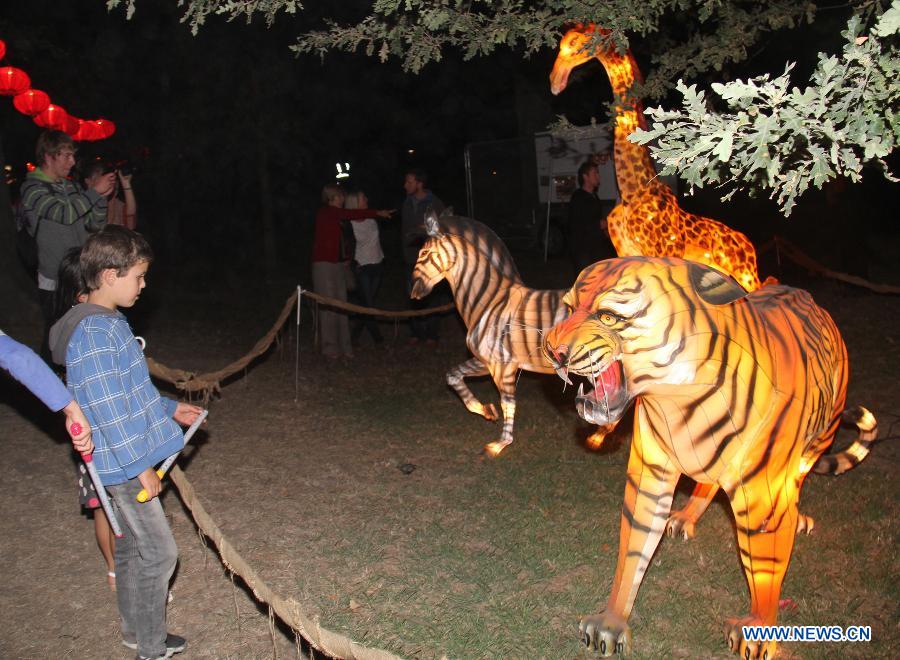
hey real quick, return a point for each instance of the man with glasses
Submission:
(59, 213)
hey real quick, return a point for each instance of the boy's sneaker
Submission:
(174, 644)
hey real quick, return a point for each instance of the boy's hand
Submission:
(81, 440)
(150, 481)
(186, 414)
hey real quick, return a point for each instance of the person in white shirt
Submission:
(368, 264)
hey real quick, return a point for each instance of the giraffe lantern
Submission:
(649, 221)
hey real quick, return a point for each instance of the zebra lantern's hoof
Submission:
(493, 449)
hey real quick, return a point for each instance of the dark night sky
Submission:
(197, 114)
(206, 118)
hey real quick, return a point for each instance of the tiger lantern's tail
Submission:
(855, 453)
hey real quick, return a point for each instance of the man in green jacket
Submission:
(59, 213)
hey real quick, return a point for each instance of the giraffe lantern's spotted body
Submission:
(649, 222)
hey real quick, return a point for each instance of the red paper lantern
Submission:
(2, 48)
(31, 102)
(72, 126)
(54, 117)
(106, 127)
(88, 131)
(13, 81)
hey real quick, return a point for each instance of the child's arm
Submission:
(30, 370)
(25, 366)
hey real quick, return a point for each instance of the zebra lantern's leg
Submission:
(504, 375)
(455, 379)
(683, 521)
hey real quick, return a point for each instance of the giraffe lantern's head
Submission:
(574, 50)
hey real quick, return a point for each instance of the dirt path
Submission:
(55, 600)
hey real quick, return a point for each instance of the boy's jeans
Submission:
(145, 561)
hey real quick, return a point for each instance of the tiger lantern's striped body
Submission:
(738, 391)
(505, 319)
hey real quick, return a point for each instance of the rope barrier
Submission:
(210, 383)
(795, 254)
(287, 609)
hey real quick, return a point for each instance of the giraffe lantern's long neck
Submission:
(634, 168)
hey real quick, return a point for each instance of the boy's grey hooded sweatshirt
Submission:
(62, 330)
(132, 424)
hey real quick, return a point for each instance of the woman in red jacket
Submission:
(329, 267)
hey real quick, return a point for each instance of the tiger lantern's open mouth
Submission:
(606, 401)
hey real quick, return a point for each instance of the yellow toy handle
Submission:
(166, 464)
(142, 496)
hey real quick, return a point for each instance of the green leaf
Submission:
(722, 150)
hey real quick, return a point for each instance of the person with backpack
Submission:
(59, 214)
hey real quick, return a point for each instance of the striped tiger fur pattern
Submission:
(505, 319)
(738, 391)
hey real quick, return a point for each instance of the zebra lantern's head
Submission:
(432, 262)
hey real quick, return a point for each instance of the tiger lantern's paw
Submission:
(679, 523)
(605, 632)
(734, 637)
(805, 524)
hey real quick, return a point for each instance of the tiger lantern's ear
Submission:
(713, 287)
(448, 211)
(432, 228)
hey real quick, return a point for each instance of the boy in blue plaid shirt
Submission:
(134, 429)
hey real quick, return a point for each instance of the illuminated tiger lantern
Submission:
(649, 221)
(505, 319)
(738, 391)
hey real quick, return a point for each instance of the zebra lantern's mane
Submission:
(485, 240)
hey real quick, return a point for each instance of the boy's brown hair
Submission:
(50, 143)
(113, 247)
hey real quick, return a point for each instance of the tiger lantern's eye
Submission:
(607, 319)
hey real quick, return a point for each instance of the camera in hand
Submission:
(123, 166)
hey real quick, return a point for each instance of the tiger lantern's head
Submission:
(435, 258)
(632, 330)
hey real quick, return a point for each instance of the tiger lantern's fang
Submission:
(606, 402)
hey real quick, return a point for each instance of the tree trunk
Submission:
(18, 293)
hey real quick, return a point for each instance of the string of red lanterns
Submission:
(36, 104)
